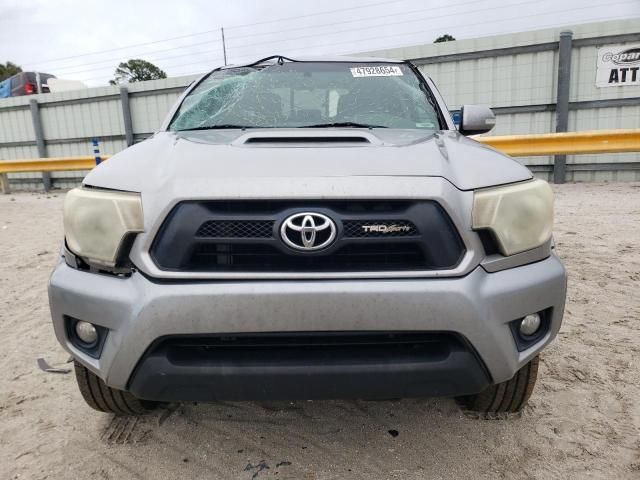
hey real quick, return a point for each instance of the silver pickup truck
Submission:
(309, 229)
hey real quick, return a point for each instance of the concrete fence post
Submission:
(4, 183)
(126, 115)
(562, 101)
(42, 147)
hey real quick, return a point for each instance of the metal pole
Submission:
(126, 115)
(562, 101)
(42, 148)
(224, 46)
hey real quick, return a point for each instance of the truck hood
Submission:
(217, 156)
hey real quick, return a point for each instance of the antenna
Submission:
(224, 46)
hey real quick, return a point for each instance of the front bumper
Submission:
(301, 366)
(477, 307)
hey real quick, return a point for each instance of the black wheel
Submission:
(506, 397)
(103, 398)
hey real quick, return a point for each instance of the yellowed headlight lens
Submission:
(97, 221)
(520, 216)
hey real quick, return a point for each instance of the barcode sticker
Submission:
(378, 71)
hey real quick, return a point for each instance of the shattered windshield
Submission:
(309, 94)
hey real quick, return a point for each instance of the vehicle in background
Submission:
(25, 83)
(62, 85)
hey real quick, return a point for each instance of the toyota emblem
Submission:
(308, 231)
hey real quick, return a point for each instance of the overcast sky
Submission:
(85, 40)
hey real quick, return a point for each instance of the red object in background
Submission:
(29, 88)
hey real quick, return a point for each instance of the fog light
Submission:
(86, 332)
(530, 325)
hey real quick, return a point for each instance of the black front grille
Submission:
(236, 229)
(244, 236)
(302, 348)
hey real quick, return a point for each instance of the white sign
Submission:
(379, 71)
(618, 65)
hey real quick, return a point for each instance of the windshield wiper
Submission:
(342, 124)
(216, 127)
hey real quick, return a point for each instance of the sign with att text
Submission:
(618, 65)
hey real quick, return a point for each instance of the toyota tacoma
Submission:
(309, 229)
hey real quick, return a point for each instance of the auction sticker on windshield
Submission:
(377, 71)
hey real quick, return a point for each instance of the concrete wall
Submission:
(71, 119)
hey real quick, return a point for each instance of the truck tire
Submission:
(506, 397)
(103, 398)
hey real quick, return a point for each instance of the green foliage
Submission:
(136, 70)
(8, 69)
(444, 38)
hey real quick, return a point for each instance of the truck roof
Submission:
(319, 58)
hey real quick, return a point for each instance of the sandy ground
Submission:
(583, 419)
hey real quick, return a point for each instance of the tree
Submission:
(136, 70)
(8, 69)
(444, 38)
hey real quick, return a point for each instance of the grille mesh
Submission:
(236, 229)
(379, 228)
(378, 255)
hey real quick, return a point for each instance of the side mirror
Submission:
(475, 119)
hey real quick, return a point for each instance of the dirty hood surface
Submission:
(251, 155)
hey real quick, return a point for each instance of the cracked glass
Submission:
(309, 94)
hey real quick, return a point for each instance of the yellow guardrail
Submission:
(59, 164)
(597, 141)
(572, 143)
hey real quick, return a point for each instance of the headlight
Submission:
(520, 216)
(97, 221)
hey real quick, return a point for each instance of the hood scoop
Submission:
(307, 138)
